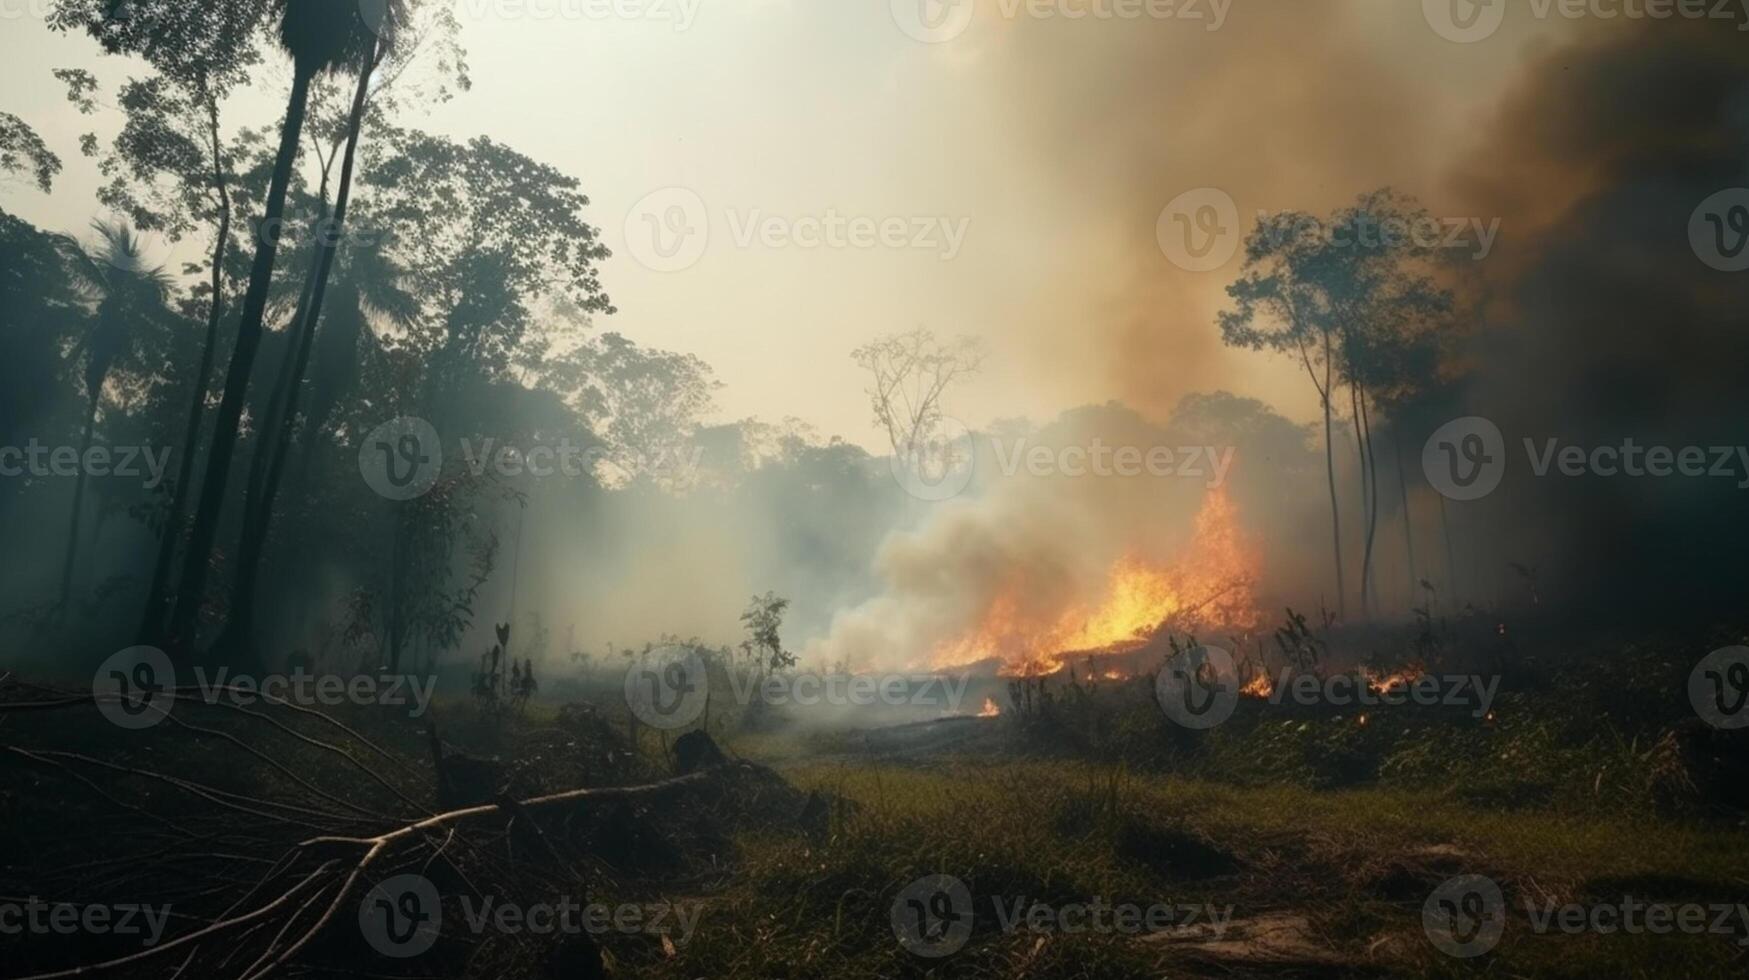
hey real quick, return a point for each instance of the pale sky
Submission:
(1051, 145)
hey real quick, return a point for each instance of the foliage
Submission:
(22, 150)
(763, 619)
(910, 372)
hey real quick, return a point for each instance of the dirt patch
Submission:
(1282, 941)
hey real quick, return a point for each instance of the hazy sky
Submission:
(1052, 145)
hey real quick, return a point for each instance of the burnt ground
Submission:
(1090, 837)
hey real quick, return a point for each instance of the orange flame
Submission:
(1259, 686)
(1387, 682)
(1210, 586)
(991, 709)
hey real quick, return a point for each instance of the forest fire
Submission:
(1262, 686)
(990, 710)
(1394, 681)
(1210, 586)
(1259, 686)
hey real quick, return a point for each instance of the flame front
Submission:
(1211, 585)
(1259, 686)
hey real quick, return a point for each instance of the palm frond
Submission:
(336, 35)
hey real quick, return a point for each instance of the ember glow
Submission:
(1396, 680)
(1259, 686)
(991, 709)
(1210, 585)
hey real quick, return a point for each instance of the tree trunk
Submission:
(1408, 519)
(397, 585)
(276, 440)
(184, 622)
(1451, 582)
(1330, 475)
(1365, 504)
(1370, 473)
(78, 502)
(152, 621)
(282, 378)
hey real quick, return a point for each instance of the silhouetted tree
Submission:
(320, 36)
(112, 271)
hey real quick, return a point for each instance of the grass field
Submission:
(1092, 837)
(1357, 865)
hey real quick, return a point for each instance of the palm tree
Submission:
(113, 272)
(369, 286)
(269, 463)
(320, 36)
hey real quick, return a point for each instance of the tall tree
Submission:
(275, 441)
(400, 40)
(1386, 305)
(485, 236)
(368, 286)
(112, 270)
(320, 36)
(170, 170)
(1284, 302)
(1344, 295)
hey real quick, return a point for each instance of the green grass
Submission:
(1064, 833)
(1281, 810)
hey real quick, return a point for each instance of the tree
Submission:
(401, 37)
(485, 233)
(1344, 295)
(763, 619)
(269, 461)
(23, 151)
(1283, 302)
(112, 271)
(368, 286)
(170, 170)
(480, 235)
(39, 310)
(644, 404)
(910, 372)
(1385, 311)
(320, 36)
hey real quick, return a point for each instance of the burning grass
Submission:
(1319, 830)
(1210, 587)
